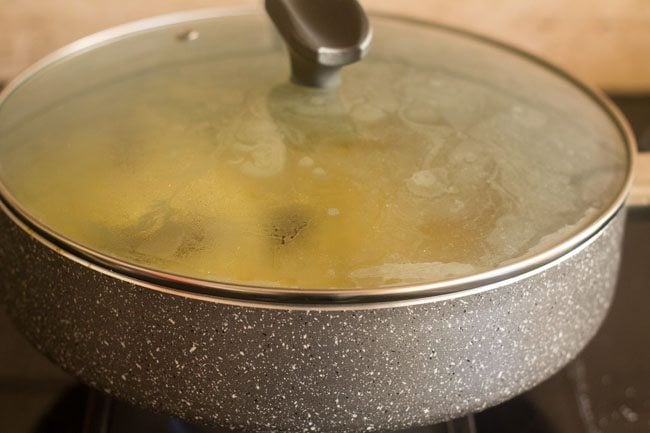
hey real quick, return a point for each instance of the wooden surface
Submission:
(640, 194)
(606, 42)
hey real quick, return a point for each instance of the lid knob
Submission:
(322, 36)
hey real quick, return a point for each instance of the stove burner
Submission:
(104, 414)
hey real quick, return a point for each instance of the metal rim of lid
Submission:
(279, 297)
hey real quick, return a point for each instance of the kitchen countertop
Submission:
(602, 41)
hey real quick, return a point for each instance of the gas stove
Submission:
(605, 390)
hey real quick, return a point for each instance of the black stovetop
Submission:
(605, 390)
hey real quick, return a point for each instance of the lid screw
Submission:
(188, 36)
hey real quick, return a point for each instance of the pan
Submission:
(422, 234)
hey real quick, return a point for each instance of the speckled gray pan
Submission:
(263, 359)
(269, 369)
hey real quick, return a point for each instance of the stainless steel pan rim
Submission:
(289, 303)
(317, 299)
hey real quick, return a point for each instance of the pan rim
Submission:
(318, 306)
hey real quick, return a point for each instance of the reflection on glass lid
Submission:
(439, 156)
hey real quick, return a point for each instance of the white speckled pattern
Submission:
(264, 370)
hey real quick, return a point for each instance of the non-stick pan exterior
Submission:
(269, 369)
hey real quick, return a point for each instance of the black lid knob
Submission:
(322, 36)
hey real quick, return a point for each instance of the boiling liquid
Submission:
(238, 178)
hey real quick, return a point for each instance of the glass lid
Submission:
(181, 148)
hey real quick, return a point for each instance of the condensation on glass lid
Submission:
(410, 173)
